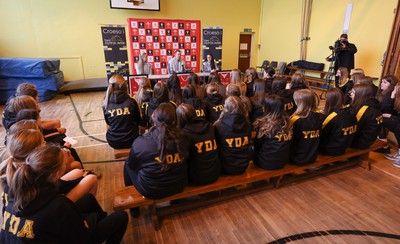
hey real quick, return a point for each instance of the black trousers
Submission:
(393, 126)
(110, 229)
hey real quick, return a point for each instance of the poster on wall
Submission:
(115, 50)
(160, 38)
(153, 5)
(212, 44)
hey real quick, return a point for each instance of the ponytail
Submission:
(167, 135)
(42, 169)
(19, 145)
(23, 188)
(114, 80)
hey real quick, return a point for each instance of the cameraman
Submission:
(344, 53)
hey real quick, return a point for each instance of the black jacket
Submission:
(49, 218)
(149, 107)
(287, 97)
(198, 105)
(122, 115)
(151, 181)
(387, 104)
(272, 153)
(256, 112)
(345, 56)
(306, 135)
(369, 124)
(214, 106)
(338, 131)
(204, 165)
(233, 133)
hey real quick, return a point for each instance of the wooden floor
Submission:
(352, 206)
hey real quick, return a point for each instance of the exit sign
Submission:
(248, 30)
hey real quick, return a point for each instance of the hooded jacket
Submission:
(214, 104)
(369, 119)
(272, 153)
(198, 105)
(149, 177)
(287, 97)
(306, 136)
(204, 165)
(149, 107)
(338, 131)
(233, 134)
(49, 218)
(122, 115)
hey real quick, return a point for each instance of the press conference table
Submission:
(160, 77)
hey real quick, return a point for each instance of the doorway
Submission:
(244, 51)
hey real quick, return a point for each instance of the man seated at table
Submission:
(176, 64)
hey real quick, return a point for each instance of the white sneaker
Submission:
(396, 164)
(393, 156)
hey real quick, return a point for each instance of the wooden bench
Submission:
(121, 153)
(224, 187)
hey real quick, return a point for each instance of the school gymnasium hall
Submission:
(69, 50)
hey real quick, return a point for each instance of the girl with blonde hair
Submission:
(142, 66)
(121, 114)
(145, 92)
(233, 132)
(214, 102)
(236, 78)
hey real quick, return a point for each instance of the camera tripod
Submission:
(329, 75)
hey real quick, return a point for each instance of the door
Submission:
(244, 51)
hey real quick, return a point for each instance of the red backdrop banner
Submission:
(160, 38)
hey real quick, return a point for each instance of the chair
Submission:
(281, 67)
(264, 65)
(273, 64)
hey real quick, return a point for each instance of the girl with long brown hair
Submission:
(369, 116)
(342, 80)
(157, 163)
(339, 126)
(203, 162)
(307, 125)
(273, 135)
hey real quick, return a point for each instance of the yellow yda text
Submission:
(206, 146)
(200, 113)
(170, 158)
(310, 134)
(218, 108)
(119, 111)
(283, 137)
(237, 141)
(15, 222)
(349, 130)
